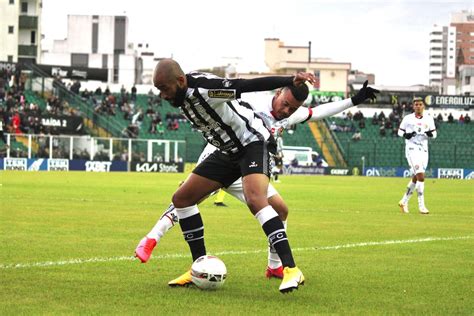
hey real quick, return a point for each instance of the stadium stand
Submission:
(453, 147)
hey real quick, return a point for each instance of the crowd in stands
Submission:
(125, 104)
(21, 117)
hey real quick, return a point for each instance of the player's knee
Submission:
(255, 203)
(420, 177)
(180, 201)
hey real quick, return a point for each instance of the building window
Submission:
(140, 45)
(10, 58)
(289, 51)
(10, 29)
(12, 2)
(24, 7)
(105, 59)
(33, 37)
(80, 60)
(116, 75)
(468, 80)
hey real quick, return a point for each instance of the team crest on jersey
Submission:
(226, 83)
(221, 94)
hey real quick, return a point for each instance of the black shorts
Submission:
(257, 157)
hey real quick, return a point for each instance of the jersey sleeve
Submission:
(215, 89)
(320, 112)
(402, 128)
(432, 127)
(300, 116)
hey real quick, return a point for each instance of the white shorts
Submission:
(417, 159)
(237, 190)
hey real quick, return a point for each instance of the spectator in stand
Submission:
(349, 115)
(156, 119)
(397, 109)
(150, 112)
(461, 119)
(394, 132)
(16, 122)
(98, 91)
(381, 116)
(2, 87)
(10, 102)
(362, 123)
(2, 135)
(407, 108)
(388, 124)
(124, 155)
(127, 111)
(122, 91)
(439, 118)
(358, 116)
(160, 128)
(76, 86)
(391, 116)
(134, 93)
(382, 130)
(356, 136)
(375, 119)
(173, 124)
(467, 118)
(137, 118)
(107, 91)
(131, 131)
(151, 95)
(450, 118)
(333, 126)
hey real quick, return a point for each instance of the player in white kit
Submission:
(416, 128)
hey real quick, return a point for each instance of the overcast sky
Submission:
(386, 37)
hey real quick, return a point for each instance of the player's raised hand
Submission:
(302, 77)
(364, 94)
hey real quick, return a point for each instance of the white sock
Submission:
(420, 189)
(273, 258)
(167, 220)
(410, 189)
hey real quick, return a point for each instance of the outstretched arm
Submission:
(271, 83)
(330, 109)
(325, 110)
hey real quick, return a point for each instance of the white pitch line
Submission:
(223, 253)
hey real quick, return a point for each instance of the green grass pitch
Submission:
(67, 241)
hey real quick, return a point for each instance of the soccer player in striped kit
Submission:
(218, 168)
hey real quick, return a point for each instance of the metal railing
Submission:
(93, 148)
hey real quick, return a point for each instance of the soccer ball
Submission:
(208, 273)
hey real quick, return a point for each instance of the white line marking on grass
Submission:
(243, 252)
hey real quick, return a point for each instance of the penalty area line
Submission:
(223, 253)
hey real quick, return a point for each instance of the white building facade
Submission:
(442, 55)
(20, 30)
(96, 42)
(452, 55)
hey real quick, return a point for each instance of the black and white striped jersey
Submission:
(211, 107)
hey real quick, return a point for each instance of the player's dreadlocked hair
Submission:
(299, 92)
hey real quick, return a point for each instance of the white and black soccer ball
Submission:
(208, 273)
